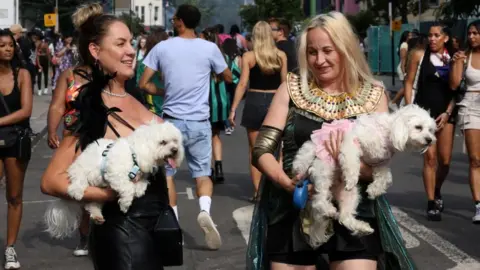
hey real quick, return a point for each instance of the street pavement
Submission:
(449, 244)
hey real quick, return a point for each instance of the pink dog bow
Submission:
(319, 137)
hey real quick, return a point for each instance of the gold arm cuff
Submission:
(268, 140)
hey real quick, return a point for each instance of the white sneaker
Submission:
(81, 250)
(476, 217)
(212, 236)
(45, 91)
(11, 261)
(39, 92)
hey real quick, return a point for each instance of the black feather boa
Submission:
(92, 111)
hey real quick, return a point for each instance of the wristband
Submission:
(268, 141)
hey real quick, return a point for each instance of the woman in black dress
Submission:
(124, 241)
(435, 95)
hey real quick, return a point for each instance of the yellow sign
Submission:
(50, 19)
(397, 25)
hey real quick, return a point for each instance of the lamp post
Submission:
(150, 7)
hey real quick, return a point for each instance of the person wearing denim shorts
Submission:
(186, 63)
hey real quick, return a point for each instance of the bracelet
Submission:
(268, 141)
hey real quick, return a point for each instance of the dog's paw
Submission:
(99, 220)
(357, 227)
(363, 229)
(374, 192)
(330, 211)
(75, 192)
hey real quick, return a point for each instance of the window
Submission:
(142, 15)
(156, 14)
(136, 10)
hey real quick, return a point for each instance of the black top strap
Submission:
(121, 120)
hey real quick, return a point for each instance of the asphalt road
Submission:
(450, 244)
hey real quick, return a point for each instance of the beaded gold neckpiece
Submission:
(330, 107)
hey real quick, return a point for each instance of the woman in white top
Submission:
(468, 64)
(403, 52)
(402, 66)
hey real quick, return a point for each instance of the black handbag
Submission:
(15, 136)
(168, 235)
(169, 238)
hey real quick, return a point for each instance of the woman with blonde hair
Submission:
(335, 83)
(266, 68)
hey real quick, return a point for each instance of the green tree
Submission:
(362, 20)
(264, 9)
(458, 9)
(206, 9)
(134, 23)
(401, 8)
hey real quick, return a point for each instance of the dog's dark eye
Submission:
(418, 127)
(163, 142)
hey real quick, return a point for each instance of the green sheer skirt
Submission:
(395, 255)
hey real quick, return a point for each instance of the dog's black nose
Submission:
(428, 140)
(174, 150)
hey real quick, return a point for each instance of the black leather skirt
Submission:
(126, 241)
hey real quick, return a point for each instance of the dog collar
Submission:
(133, 172)
(103, 166)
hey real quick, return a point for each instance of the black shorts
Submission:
(255, 109)
(340, 247)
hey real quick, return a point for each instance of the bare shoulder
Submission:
(23, 73)
(417, 55)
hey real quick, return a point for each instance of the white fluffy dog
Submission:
(123, 165)
(372, 138)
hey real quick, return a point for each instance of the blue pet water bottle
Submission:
(300, 195)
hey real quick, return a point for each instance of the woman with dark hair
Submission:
(435, 95)
(466, 65)
(124, 241)
(241, 42)
(15, 111)
(42, 63)
(63, 55)
(418, 43)
(233, 56)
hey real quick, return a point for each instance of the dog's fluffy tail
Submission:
(62, 218)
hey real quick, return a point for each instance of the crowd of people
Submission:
(285, 91)
(441, 74)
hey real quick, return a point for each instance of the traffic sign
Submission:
(397, 25)
(50, 19)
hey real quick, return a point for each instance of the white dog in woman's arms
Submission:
(123, 165)
(373, 139)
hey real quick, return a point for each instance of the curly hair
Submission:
(17, 61)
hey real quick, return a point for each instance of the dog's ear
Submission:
(399, 133)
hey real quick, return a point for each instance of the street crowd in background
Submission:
(197, 80)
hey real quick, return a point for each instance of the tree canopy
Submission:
(264, 9)
(401, 8)
(458, 9)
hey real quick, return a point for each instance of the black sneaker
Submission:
(433, 212)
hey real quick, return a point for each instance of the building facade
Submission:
(151, 12)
